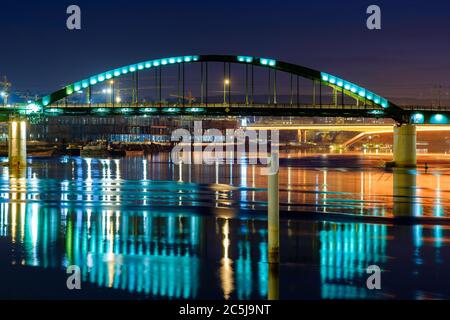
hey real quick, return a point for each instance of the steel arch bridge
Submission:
(367, 103)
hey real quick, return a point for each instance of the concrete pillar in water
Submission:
(17, 143)
(299, 136)
(405, 145)
(273, 228)
(273, 211)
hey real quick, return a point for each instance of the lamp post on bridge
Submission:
(109, 93)
(4, 95)
(226, 83)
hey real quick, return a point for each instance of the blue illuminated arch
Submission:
(347, 87)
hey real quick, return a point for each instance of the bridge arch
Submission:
(346, 87)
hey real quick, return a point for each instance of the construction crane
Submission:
(189, 98)
(26, 96)
(5, 84)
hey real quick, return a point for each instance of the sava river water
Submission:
(145, 228)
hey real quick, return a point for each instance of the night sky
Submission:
(407, 58)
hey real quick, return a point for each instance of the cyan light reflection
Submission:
(125, 255)
(345, 252)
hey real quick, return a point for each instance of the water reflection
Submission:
(345, 253)
(93, 214)
(226, 269)
(405, 195)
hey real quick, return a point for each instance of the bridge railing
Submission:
(215, 105)
(425, 108)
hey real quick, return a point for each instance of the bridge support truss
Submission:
(17, 143)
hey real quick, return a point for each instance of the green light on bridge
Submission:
(69, 90)
(171, 110)
(195, 110)
(45, 101)
(148, 110)
(101, 110)
(246, 59)
(376, 112)
(333, 81)
(353, 88)
(267, 62)
(78, 86)
(125, 110)
(54, 111)
(439, 119)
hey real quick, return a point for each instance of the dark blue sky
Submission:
(409, 56)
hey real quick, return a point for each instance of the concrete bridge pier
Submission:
(301, 136)
(17, 143)
(405, 153)
(273, 203)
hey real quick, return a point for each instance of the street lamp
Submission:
(4, 95)
(111, 88)
(226, 83)
(109, 92)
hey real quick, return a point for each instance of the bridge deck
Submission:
(431, 116)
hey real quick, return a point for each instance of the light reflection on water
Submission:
(154, 181)
(133, 225)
